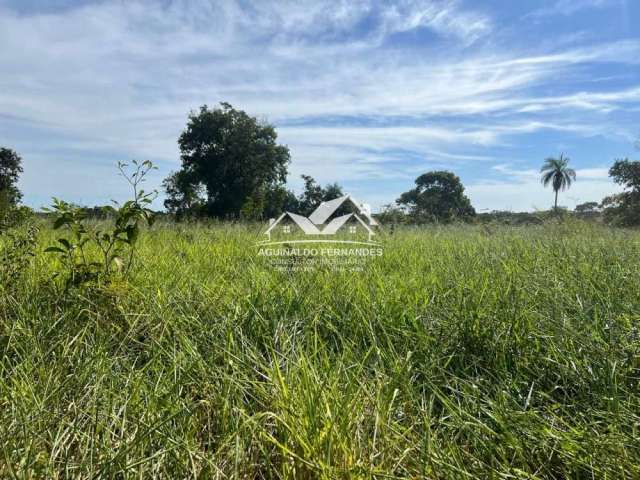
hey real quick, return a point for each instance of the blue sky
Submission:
(365, 93)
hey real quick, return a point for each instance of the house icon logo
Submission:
(320, 224)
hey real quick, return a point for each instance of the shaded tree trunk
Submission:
(555, 205)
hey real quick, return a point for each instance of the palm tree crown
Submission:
(556, 172)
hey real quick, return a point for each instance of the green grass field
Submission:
(462, 352)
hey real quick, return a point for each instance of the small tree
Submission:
(185, 197)
(438, 196)
(311, 197)
(314, 194)
(391, 215)
(10, 170)
(116, 245)
(555, 171)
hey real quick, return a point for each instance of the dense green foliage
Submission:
(437, 196)
(229, 157)
(10, 170)
(279, 199)
(624, 208)
(463, 352)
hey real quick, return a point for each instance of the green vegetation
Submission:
(556, 172)
(438, 196)
(10, 170)
(116, 244)
(462, 352)
(624, 208)
(231, 166)
(131, 348)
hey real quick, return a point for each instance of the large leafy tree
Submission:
(10, 170)
(438, 196)
(556, 172)
(624, 208)
(229, 158)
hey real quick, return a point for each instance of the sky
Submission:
(369, 94)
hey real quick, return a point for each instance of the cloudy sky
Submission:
(366, 93)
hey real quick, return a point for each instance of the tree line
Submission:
(232, 167)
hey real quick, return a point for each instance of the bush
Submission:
(116, 246)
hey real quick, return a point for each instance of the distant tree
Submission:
(314, 194)
(185, 197)
(269, 202)
(391, 214)
(229, 162)
(626, 173)
(279, 199)
(10, 170)
(331, 191)
(587, 207)
(438, 196)
(507, 217)
(311, 197)
(624, 208)
(555, 171)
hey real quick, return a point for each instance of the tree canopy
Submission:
(314, 194)
(231, 163)
(624, 208)
(438, 196)
(279, 199)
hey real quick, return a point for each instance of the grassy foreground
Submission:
(463, 352)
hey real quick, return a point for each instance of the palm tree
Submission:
(556, 172)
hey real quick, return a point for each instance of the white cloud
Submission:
(593, 173)
(531, 195)
(443, 17)
(569, 7)
(521, 189)
(122, 76)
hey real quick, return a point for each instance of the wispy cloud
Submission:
(568, 7)
(375, 90)
(520, 189)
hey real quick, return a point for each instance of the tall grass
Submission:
(462, 352)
